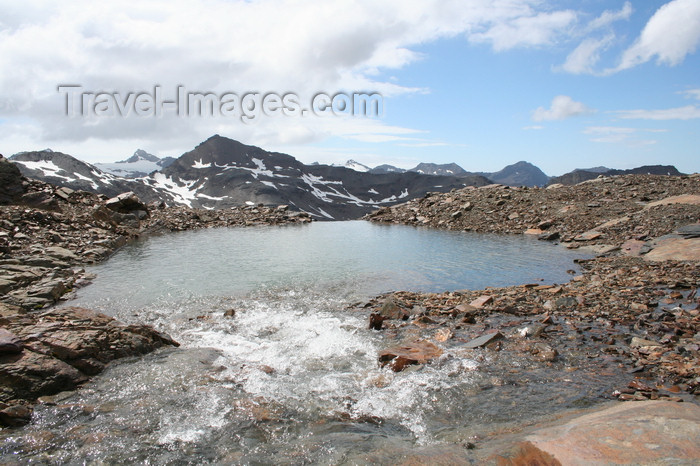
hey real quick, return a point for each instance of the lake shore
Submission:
(634, 308)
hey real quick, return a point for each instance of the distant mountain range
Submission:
(580, 175)
(138, 165)
(221, 173)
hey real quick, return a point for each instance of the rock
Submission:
(679, 249)
(11, 182)
(533, 231)
(549, 236)
(484, 339)
(62, 347)
(641, 342)
(375, 321)
(64, 192)
(9, 342)
(648, 432)
(15, 416)
(689, 231)
(588, 236)
(692, 199)
(417, 352)
(481, 301)
(61, 253)
(230, 313)
(391, 310)
(127, 203)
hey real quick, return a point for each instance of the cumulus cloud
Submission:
(562, 107)
(298, 46)
(670, 35)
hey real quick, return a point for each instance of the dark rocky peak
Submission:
(445, 169)
(220, 152)
(141, 154)
(384, 168)
(519, 174)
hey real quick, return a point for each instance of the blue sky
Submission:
(483, 83)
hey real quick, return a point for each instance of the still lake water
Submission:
(293, 377)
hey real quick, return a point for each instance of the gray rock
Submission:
(9, 342)
(484, 339)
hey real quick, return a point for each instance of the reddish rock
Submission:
(481, 301)
(417, 352)
(648, 432)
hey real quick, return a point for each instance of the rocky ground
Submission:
(47, 235)
(634, 308)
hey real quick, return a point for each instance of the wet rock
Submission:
(14, 416)
(484, 339)
(375, 321)
(648, 432)
(417, 352)
(391, 310)
(62, 347)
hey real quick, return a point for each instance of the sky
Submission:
(561, 84)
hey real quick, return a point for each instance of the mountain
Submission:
(581, 175)
(379, 169)
(138, 165)
(65, 170)
(221, 173)
(446, 169)
(357, 166)
(519, 174)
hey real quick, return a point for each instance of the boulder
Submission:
(11, 181)
(127, 203)
(417, 352)
(648, 432)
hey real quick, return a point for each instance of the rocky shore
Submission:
(633, 313)
(635, 307)
(47, 235)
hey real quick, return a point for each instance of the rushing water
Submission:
(293, 377)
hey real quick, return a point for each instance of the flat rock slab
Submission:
(417, 352)
(679, 249)
(648, 432)
(632, 247)
(484, 339)
(692, 199)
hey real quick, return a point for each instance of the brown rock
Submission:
(648, 432)
(481, 301)
(9, 342)
(417, 352)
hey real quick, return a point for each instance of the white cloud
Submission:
(562, 107)
(584, 57)
(689, 112)
(299, 46)
(532, 30)
(533, 127)
(691, 94)
(618, 135)
(671, 34)
(608, 17)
